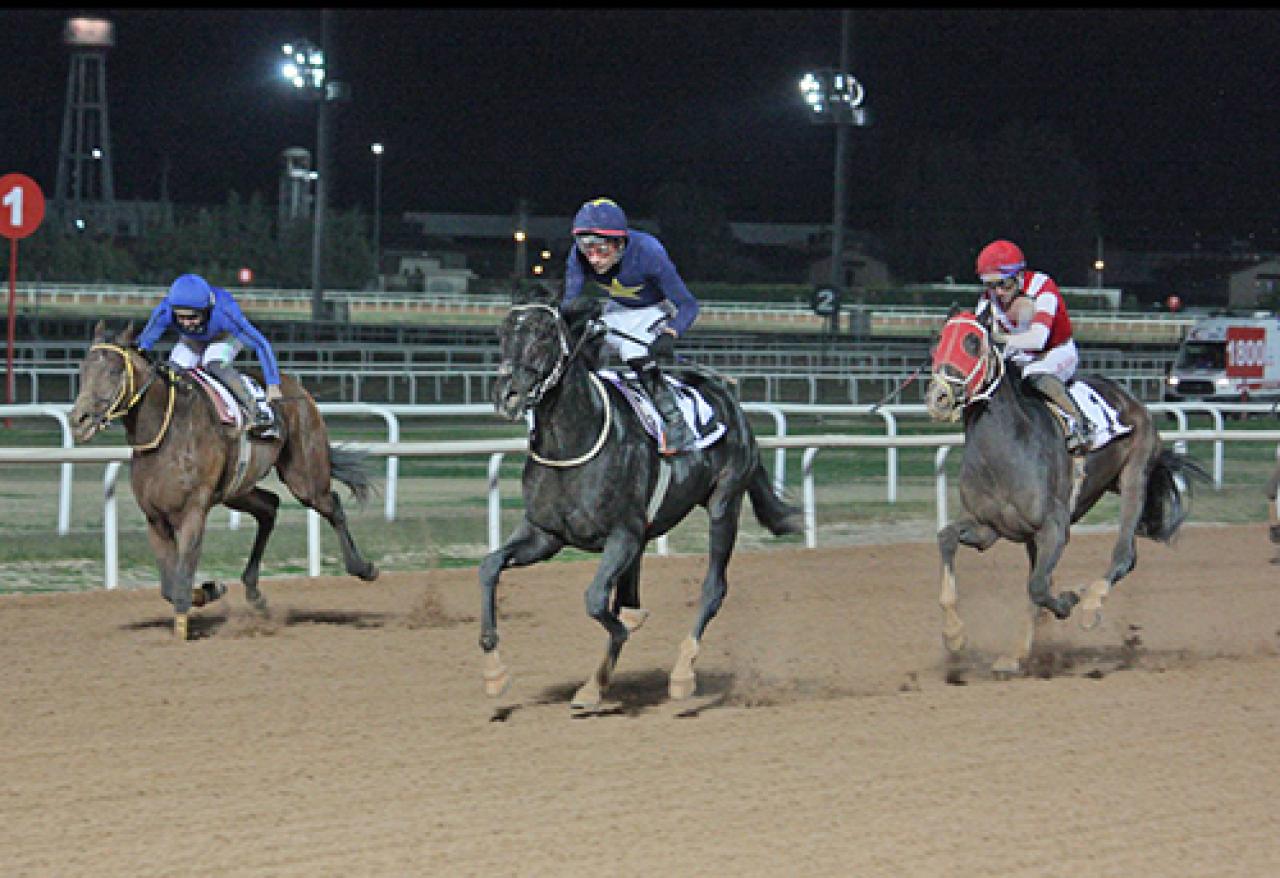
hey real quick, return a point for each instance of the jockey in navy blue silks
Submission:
(212, 330)
(633, 270)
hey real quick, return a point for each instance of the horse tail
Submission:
(775, 513)
(1168, 497)
(347, 465)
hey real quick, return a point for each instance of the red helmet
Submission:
(1000, 259)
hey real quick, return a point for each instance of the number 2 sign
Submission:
(21, 206)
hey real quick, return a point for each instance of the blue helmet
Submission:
(600, 216)
(191, 292)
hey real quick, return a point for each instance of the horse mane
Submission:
(578, 315)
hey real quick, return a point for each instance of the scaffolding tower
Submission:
(84, 194)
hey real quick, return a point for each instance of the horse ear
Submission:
(955, 309)
(125, 338)
(100, 331)
(546, 293)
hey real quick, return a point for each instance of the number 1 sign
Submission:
(21, 212)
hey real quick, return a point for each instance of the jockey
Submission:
(211, 331)
(633, 269)
(1028, 315)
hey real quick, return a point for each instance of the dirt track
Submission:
(348, 735)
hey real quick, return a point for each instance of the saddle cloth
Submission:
(1104, 418)
(698, 413)
(223, 402)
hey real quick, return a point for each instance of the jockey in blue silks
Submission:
(633, 270)
(212, 330)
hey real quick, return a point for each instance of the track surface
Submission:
(347, 735)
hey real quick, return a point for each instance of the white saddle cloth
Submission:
(1104, 418)
(698, 413)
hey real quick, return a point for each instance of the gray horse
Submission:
(1018, 482)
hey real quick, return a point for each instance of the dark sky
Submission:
(1175, 111)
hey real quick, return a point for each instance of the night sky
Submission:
(1175, 111)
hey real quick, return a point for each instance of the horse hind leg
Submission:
(724, 513)
(318, 495)
(1124, 557)
(262, 505)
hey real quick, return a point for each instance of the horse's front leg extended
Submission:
(189, 538)
(970, 533)
(527, 545)
(620, 552)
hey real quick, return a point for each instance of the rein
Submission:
(567, 355)
(129, 388)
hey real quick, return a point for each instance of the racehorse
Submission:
(1018, 482)
(185, 461)
(594, 480)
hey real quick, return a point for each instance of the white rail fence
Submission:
(392, 450)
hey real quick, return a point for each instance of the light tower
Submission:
(84, 193)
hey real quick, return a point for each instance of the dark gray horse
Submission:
(594, 481)
(1017, 480)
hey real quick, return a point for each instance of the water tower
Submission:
(84, 197)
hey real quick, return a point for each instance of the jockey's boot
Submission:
(1051, 387)
(677, 438)
(260, 422)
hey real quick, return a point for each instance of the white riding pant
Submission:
(1061, 361)
(189, 353)
(640, 325)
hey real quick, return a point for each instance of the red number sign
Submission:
(21, 206)
(1246, 351)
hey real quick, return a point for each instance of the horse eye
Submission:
(970, 345)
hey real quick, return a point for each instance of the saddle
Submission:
(1101, 414)
(706, 426)
(224, 402)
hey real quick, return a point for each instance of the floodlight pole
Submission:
(318, 310)
(838, 212)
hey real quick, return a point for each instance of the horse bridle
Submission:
(956, 389)
(567, 355)
(129, 387)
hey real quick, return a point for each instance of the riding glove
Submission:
(662, 346)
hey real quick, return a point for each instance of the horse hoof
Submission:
(207, 593)
(586, 698)
(370, 573)
(497, 679)
(632, 617)
(257, 603)
(955, 644)
(180, 627)
(1005, 668)
(680, 688)
(1090, 618)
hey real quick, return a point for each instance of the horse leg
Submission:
(317, 493)
(977, 536)
(621, 549)
(262, 505)
(189, 538)
(160, 535)
(527, 545)
(1133, 493)
(1050, 540)
(1011, 663)
(626, 606)
(724, 512)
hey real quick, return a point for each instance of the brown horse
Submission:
(185, 461)
(1018, 482)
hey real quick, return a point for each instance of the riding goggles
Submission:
(597, 244)
(997, 282)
